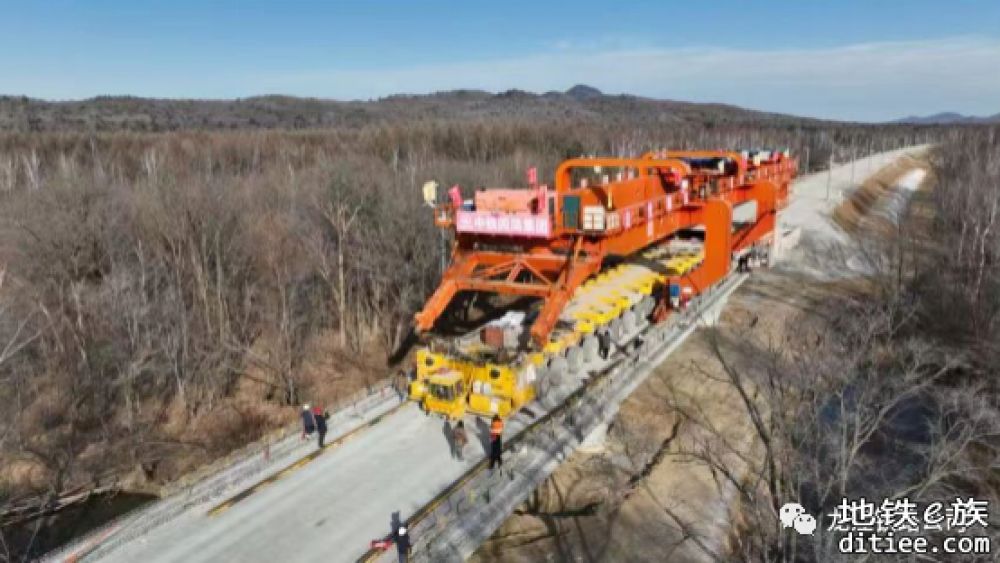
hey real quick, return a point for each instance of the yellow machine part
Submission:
(429, 362)
(498, 390)
(452, 409)
(417, 390)
(503, 389)
(438, 369)
(487, 388)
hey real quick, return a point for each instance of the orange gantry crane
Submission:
(544, 243)
(559, 244)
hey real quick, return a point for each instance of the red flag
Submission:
(456, 196)
(533, 176)
(380, 544)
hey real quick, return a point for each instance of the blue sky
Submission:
(864, 60)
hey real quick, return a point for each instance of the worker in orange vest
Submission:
(496, 441)
(460, 439)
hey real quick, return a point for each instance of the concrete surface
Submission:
(595, 441)
(327, 510)
(823, 248)
(331, 507)
(225, 477)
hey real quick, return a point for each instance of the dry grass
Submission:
(857, 209)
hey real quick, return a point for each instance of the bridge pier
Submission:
(596, 441)
(710, 316)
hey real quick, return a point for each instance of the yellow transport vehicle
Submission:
(470, 378)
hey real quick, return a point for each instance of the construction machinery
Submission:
(613, 242)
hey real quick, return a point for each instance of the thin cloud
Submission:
(871, 81)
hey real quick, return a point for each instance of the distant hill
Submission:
(948, 118)
(584, 92)
(579, 103)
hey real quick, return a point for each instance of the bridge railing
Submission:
(220, 477)
(481, 500)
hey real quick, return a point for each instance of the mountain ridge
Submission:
(947, 118)
(276, 111)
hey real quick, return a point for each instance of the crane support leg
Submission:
(717, 216)
(558, 297)
(765, 194)
(438, 302)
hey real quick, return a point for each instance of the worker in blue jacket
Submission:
(675, 296)
(403, 545)
(320, 417)
(308, 422)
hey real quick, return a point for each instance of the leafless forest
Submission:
(166, 297)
